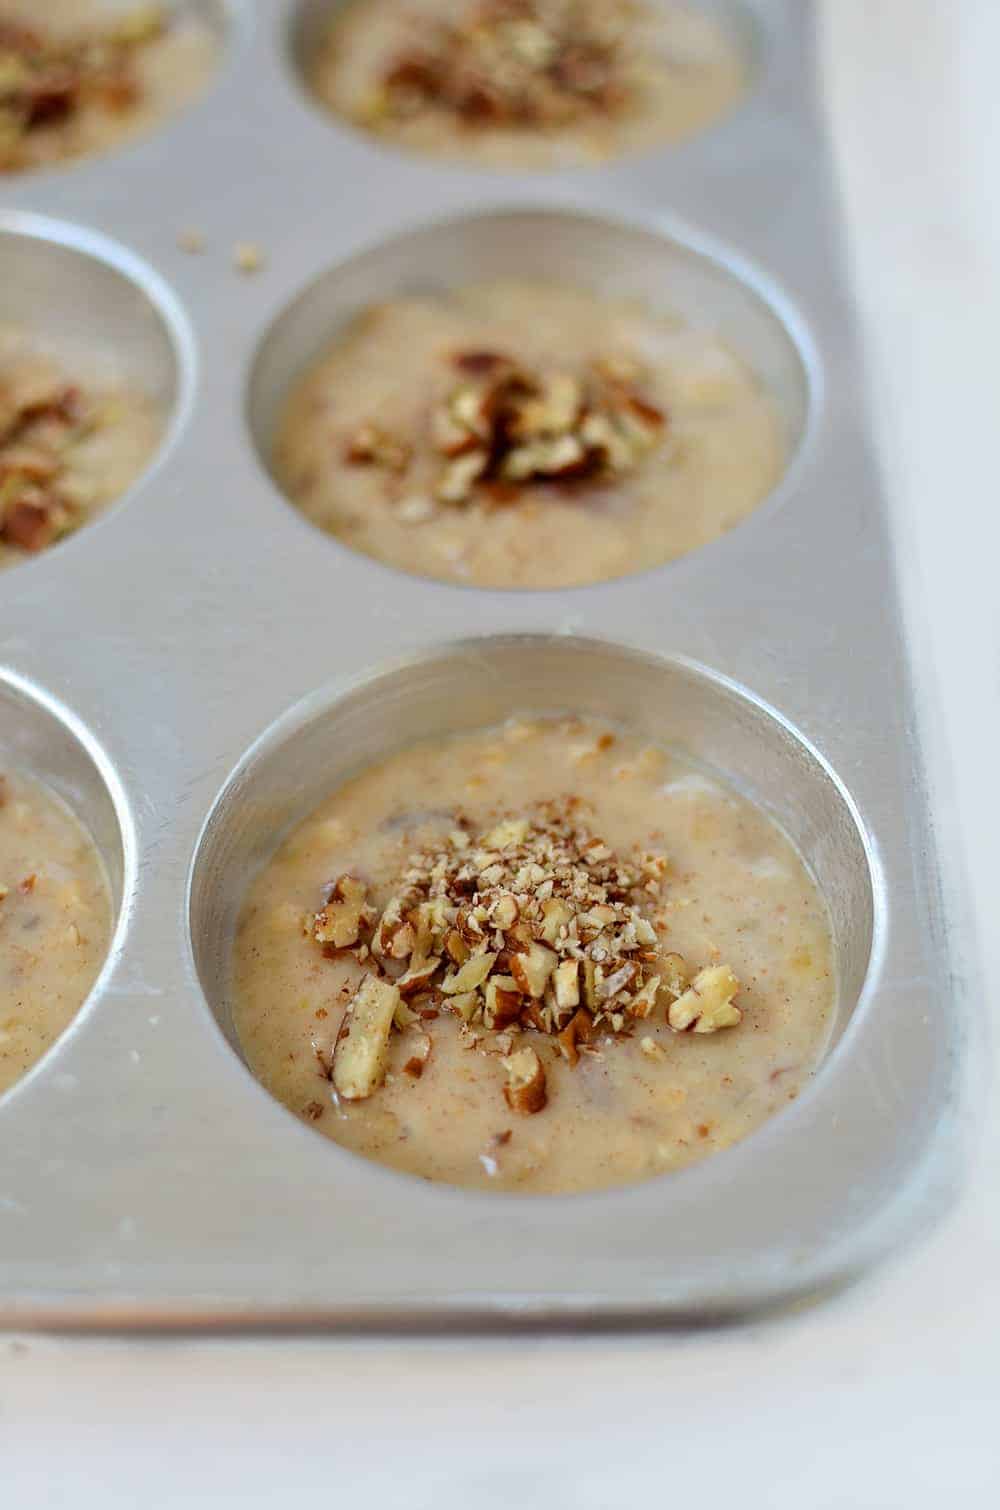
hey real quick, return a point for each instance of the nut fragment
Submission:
(511, 832)
(456, 948)
(708, 1005)
(503, 1002)
(533, 65)
(403, 942)
(504, 427)
(404, 1017)
(468, 976)
(567, 980)
(675, 975)
(579, 1029)
(644, 999)
(532, 969)
(359, 1058)
(339, 922)
(415, 1065)
(525, 1089)
(418, 977)
(455, 483)
(557, 914)
(466, 1005)
(506, 912)
(370, 445)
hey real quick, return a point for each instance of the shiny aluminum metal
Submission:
(197, 667)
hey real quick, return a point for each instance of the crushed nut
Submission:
(708, 1005)
(372, 446)
(567, 983)
(341, 919)
(359, 1057)
(533, 924)
(525, 1089)
(504, 427)
(404, 1017)
(675, 973)
(415, 1065)
(503, 1002)
(531, 970)
(578, 1030)
(42, 421)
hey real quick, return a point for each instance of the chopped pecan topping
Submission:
(341, 919)
(525, 1090)
(42, 419)
(531, 925)
(522, 64)
(504, 427)
(46, 79)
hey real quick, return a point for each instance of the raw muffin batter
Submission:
(55, 921)
(541, 958)
(78, 77)
(527, 435)
(68, 445)
(527, 83)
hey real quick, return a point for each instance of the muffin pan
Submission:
(195, 671)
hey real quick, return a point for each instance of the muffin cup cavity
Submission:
(105, 316)
(734, 31)
(478, 683)
(669, 271)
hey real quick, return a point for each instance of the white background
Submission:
(887, 1397)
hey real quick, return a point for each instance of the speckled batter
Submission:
(55, 920)
(735, 891)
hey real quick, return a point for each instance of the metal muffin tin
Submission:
(198, 667)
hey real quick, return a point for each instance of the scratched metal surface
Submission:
(145, 1178)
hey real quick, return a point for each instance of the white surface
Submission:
(884, 1398)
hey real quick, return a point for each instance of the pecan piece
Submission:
(525, 1090)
